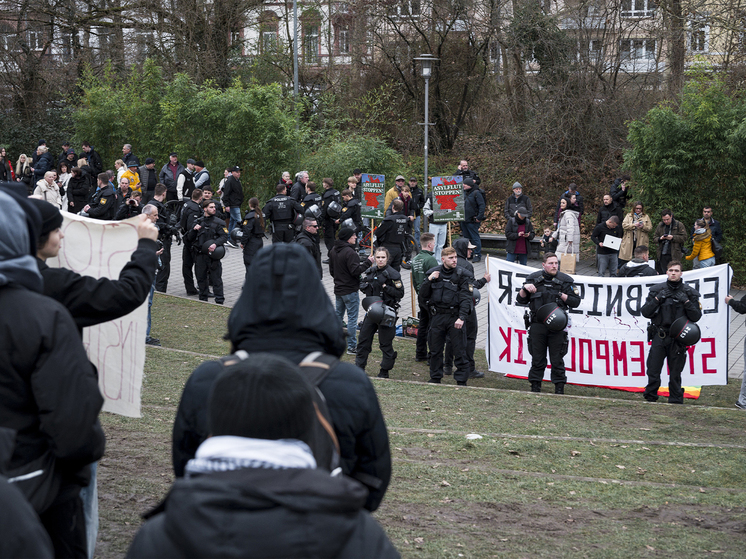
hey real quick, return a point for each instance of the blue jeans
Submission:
(607, 262)
(416, 227)
(150, 304)
(471, 232)
(440, 230)
(351, 304)
(522, 258)
(706, 263)
(89, 496)
(235, 217)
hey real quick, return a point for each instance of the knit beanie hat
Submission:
(51, 217)
(345, 233)
(264, 396)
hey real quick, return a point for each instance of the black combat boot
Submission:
(383, 374)
(536, 386)
(559, 388)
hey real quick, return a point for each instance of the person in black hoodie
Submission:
(253, 232)
(473, 216)
(638, 266)
(346, 268)
(254, 488)
(280, 301)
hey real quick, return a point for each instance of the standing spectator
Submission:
(164, 236)
(638, 266)
(346, 268)
(201, 175)
(48, 189)
(713, 224)
(670, 236)
(609, 208)
(702, 250)
(233, 197)
(253, 232)
(567, 233)
(6, 171)
(464, 171)
(418, 197)
(309, 239)
(519, 231)
(94, 159)
(79, 190)
(42, 164)
(286, 180)
(473, 216)
(421, 265)
(127, 155)
(298, 189)
(148, 179)
(24, 173)
(63, 180)
(516, 200)
(637, 227)
(606, 256)
(740, 308)
(121, 168)
(72, 159)
(577, 204)
(169, 175)
(63, 155)
(438, 230)
(393, 192)
(619, 191)
(548, 242)
(328, 198)
(132, 174)
(352, 185)
(185, 181)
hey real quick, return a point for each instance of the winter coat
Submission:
(43, 164)
(345, 267)
(617, 194)
(134, 179)
(262, 513)
(473, 206)
(94, 161)
(166, 176)
(513, 203)
(605, 212)
(702, 249)
(253, 234)
(264, 318)
(634, 237)
(78, 193)
(636, 268)
(568, 234)
(232, 192)
(49, 193)
(311, 243)
(678, 231)
(511, 234)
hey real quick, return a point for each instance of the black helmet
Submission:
(237, 235)
(685, 331)
(369, 300)
(298, 219)
(216, 254)
(382, 314)
(552, 316)
(334, 210)
(313, 212)
(477, 296)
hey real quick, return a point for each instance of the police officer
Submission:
(380, 280)
(309, 239)
(665, 303)
(350, 212)
(190, 212)
(164, 236)
(311, 197)
(542, 288)
(392, 233)
(103, 202)
(447, 293)
(208, 228)
(281, 210)
(330, 195)
(253, 232)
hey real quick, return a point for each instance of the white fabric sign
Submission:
(117, 348)
(607, 334)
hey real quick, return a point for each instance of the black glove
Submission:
(681, 296)
(663, 293)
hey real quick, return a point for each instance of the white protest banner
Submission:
(117, 348)
(607, 343)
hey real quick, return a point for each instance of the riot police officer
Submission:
(208, 237)
(393, 232)
(252, 228)
(281, 210)
(381, 281)
(311, 197)
(447, 292)
(165, 232)
(331, 207)
(190, 213)
(548, 293)
(667, 302)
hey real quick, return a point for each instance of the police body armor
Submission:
(330, 195)
(398, 233)
(282, 209)
(210, 231)
(373, 281)
(548, 290)
(310, 200)
(445, 295)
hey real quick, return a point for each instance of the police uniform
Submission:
(164, 236)
(385, 283)
(253, 237)
(311, 199)
(665, 303)
(190, 212)
(351, 211)
(549, 289)
(330, 228)
(447, 298)
(213, 229)
(280, 210)
(103, 203)
(392, 234)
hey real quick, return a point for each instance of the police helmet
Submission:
(552, 316)
(237, 235)
(685, 331)
(348, 223)
(313, 212)
(334, 210)
(477, 296)
(298, 219)
(216, 254)
(382, 314)
(369, 300)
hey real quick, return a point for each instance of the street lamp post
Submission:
(427, 71)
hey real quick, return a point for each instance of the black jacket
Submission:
(103, 204)
(345, 267)
(297, 191)
(42, 165)
(232, 192)
(94, 161)
(636, 268)
(599, 234)
(281, 209)
(462, 250)
(92, 301)
(469, 174)
(451, 291)
(264, 513)
(384, 283)
(190, 212)
(511, 234)
(253, 236)
(418, 197)
(213, 229)
(668, 301)
(393, 230)
(618, 195)
(265, 317)
(605, 212)
(78, 192)
(549, 289)
(513, 203)
(473, 205)
(311, 243)
(351, 211)
(330, 195)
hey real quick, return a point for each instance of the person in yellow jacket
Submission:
(393, 193)
(702, 250)
(132, 174)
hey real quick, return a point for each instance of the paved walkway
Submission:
(234, 273)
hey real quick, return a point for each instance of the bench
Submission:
(499, 241)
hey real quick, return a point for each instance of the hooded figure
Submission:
(284, 310)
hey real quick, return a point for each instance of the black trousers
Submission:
(669, 349)
(441, 329)
(161, 278)
(330, 230)
(421, 351)
(204, 267)
(187, 266)
(385, 341)
(540, 338)
(283, 232)
(662, 262)
(396, 256)
(471, 327)
(65, 523)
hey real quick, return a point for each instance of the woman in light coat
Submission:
(48, 189)
(568, 232)
(637, 227)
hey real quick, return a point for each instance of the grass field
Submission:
(594, 473)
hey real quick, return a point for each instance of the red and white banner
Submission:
(607, 333)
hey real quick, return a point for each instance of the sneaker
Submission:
(740, 406)
(476, 374)
(477, 259)
(351, 351)
(152, 341)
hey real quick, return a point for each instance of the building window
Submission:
(66, 45)
(699, 36)
(269, 41)
(638, 8)
(638, 55)
(35, 39)
(311, 44)
(595, 50)
(235, 37)
(343, 39)
(406, 9)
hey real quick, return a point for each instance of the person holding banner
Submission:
(544, 289)
(667, 302)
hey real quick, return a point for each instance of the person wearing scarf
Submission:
(702, 251)
(637, 226)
